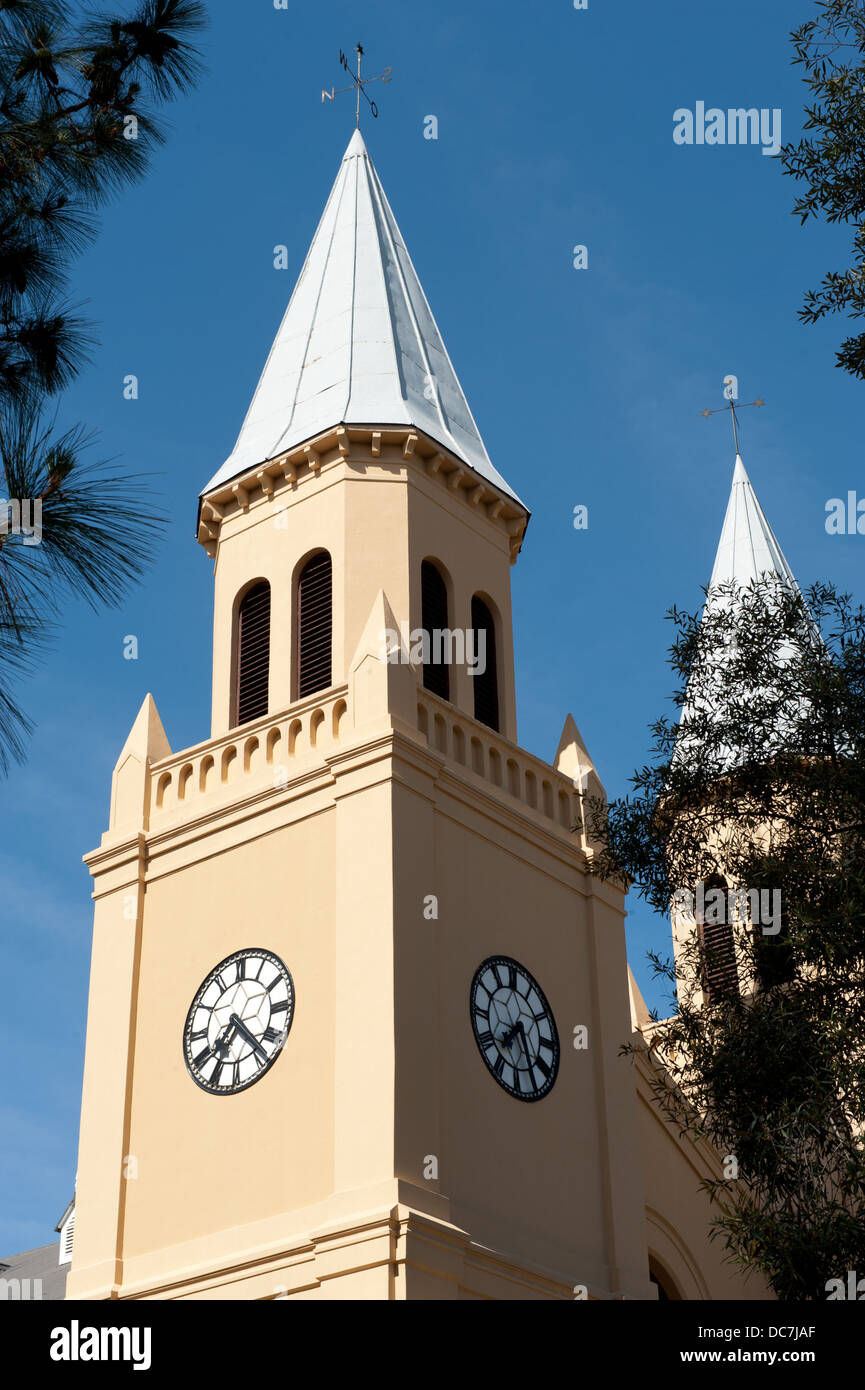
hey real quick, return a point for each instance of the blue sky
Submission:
(555, 129)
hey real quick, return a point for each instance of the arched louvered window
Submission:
(253, 654)
(434, 617)
(486, 682)
(314, 625)
(718, 946)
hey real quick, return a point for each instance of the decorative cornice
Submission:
(401, 445)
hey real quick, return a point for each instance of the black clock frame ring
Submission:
(511, 965)
(266, 955)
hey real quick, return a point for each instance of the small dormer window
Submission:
(67, 1235)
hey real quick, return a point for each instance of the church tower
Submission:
(748, 553)
(356, 1003)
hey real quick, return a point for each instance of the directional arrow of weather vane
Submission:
(359, 84)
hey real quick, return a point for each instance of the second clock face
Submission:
(514, 1028)
(238, 1021)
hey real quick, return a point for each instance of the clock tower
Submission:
(356, 1003)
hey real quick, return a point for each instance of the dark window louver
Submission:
(486, 684)
(720, 972)
(314, 625)
(434, 617)
(253, 653)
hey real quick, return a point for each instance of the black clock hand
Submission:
(519, 1028)
(221, 1042)
(253, 1041)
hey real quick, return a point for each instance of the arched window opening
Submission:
(314, 625)
(667, 1290)
(434, 618)
(485, 678)
(253, 654)
(718, 945)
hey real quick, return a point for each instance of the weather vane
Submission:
(731, 393)
(358, 84)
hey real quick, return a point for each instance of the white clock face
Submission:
(238, 1021)
(514, 1028)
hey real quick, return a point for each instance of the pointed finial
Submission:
(731, 396)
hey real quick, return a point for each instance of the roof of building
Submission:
(39, 1264)
(358, 344)
(67, 1211)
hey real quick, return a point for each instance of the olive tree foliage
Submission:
(830, 158)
